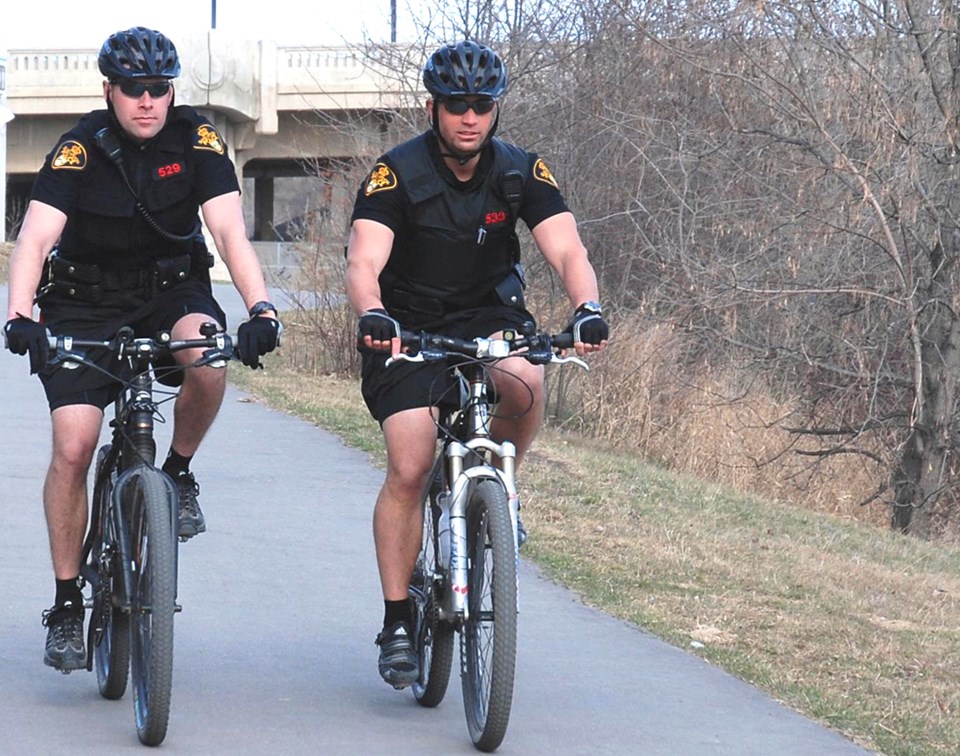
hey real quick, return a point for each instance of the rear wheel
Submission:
(153, 553)
(109, 632)
(434, 638)
(489, 638)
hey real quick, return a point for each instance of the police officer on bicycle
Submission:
(112, 238)
(433, 247)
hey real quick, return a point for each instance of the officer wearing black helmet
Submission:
(433, 247)
(112, 238)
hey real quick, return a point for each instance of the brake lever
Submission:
(424, 355)
(556, 359)
(62, 353)
(404, 357)
(215, 357)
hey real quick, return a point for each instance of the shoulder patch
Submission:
(70, 155)
(208, 138)
(542, 173)
(381, 179)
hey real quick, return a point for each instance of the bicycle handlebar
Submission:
(219, 347)
(538, 348)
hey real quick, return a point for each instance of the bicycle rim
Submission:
(153, 604)
(434, 639)
(488, 646)
(108, 636)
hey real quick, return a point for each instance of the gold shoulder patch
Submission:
(207, 138)
(381, 179)
(70, 155)
(542, 173)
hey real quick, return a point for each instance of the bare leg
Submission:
(520, 410)
(200, 395)
(76, 429)
(397, 518)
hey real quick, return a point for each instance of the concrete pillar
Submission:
(263, 209)
(6, 115)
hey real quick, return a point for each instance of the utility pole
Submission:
(393, 20)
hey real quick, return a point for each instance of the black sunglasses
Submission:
(134, 88)
(456, 106)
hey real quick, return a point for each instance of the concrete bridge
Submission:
(284, 111)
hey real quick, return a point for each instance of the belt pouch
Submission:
(170, 271)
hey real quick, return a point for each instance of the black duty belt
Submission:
(88, 282)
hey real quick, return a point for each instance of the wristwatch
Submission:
(591, 306)
(261, 307)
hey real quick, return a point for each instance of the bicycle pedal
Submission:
(177, 608)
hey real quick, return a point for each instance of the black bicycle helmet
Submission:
(465, 68)
(138, 53)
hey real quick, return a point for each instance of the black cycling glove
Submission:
(378, 325)
(588, 324)
(24, 335)
(256, 337)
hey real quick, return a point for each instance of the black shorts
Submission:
(147, 317)
(405, 385)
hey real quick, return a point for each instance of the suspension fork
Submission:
(134, 427)
(463, 479)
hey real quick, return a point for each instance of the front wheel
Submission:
(153, 547)
(488, 647)
(433, 637)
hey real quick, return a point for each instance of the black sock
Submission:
(396, 611)
(175, 464)
(68, 592)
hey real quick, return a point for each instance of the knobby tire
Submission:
(434, 638)
(488, 646)
(151, 628)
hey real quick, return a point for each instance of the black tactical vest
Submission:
(106, 227)
(460, 243)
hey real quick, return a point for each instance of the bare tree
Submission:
(841, 135)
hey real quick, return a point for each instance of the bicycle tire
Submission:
(153, 604)
(109, 633)
(433, 637)
(488, 642)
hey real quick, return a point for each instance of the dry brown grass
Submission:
(721, 425)
(5, 249)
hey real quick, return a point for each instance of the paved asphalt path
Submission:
(281, 603)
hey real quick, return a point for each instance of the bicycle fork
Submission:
(455, 603)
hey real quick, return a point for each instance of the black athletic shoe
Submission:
(521, 532)
(191, 518)
(64, 649)
(398, 661)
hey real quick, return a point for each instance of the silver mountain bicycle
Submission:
(466, 577)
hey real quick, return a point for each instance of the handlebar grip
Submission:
(562, 341)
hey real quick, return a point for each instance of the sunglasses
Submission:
(134, 88)
(459, 107)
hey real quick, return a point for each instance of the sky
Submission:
(67, 24)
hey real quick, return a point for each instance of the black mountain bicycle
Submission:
(466, 577)
(130, 551)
